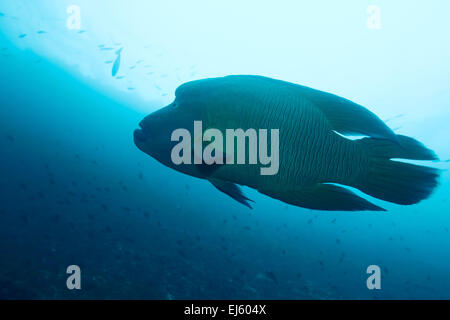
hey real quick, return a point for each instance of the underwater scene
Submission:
(123, 175)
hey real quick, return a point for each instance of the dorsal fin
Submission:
(347, 117)
(344, 116)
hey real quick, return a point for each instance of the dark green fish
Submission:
(316, 161)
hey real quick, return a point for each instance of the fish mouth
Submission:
(139, 134)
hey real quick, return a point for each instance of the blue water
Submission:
(76, 191)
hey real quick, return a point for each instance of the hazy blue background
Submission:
(75, 189)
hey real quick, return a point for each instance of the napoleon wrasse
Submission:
(316, 161)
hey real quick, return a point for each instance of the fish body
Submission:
(116, 65)
(316, 161)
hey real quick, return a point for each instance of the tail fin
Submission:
(395, 181)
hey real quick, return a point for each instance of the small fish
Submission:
(23, 35)
(81, 31)
(109, 62)
(41, 32)
(116, 65)
(394, 117)
(267, 275)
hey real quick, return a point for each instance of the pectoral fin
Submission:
(324, 197)
(232, 190)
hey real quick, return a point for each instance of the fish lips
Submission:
(140, 136)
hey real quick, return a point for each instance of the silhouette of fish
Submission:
(316, 161)
(116, 65)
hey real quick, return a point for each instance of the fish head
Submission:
(154, 137)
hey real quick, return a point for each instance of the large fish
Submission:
(316, 161)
